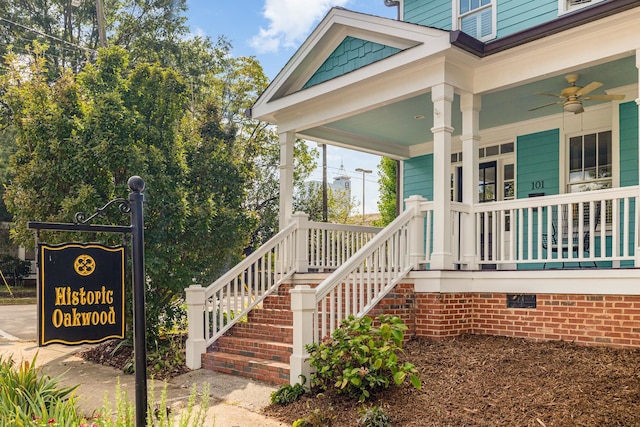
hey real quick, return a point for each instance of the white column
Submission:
(287, 141)
(416, 231)
(301, 255)
(470, 105)
(196, 344)
(637, 238)
(303, 306)
(442, 97)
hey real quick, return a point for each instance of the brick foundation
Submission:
(611, 320)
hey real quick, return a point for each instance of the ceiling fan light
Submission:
(574, 107)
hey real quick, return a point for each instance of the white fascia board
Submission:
(587, 45)
(398, 77)
(337, 25)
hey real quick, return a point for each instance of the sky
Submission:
(272, 31)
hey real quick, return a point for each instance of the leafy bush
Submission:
(26, 397)
(30, 399)
(374, 417)
(359, 358)
(288, 393)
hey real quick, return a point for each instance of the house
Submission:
(516, 126)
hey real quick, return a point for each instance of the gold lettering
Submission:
(66, 320)
(112, 316)
(109, 299)
(60, 299)
(74, 298)
(56, 318)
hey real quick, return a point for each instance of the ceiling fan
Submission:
(572, 96)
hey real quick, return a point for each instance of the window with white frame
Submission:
(477, 18)
(565, 6)
(590, 162)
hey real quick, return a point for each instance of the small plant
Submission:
(374, 417)
(288, 393)
(315, 418)
(359, 358)
(28, 398)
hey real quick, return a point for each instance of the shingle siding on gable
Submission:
(437, 13)
(351, 54)
(518, 15)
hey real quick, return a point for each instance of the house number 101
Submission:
(537, 185)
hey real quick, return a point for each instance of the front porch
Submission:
(504, 280)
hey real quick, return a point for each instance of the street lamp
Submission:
(364, 171)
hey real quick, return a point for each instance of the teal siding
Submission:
(518, 15)
(418, 177)
(628, 144)
(351, 54)
(436, 13)
(629, 158)
(537, 160)
(538, 157)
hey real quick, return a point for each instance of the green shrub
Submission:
(359, 358)
(288, 393)
(374, 417)
(26, 397)
(315, 418)
(30, 399)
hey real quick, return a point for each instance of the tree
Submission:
(79, 139)
(308, 199)
(387, 169)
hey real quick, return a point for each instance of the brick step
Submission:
(249, 367)
(263, 349)
(271, 315)
(277, 302)
(263, 331)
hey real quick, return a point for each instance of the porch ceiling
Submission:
(394, 128)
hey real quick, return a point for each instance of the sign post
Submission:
(77, 303)
(136, 185)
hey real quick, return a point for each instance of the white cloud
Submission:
(289, 22)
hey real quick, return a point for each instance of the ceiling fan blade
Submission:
(604, 97)
(549, 94)
(588, 88)
(546, 105)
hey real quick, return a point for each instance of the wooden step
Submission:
(249, 367)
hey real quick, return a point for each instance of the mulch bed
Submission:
(120, 355)
(497, 381)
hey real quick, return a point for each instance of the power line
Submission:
(46, 35)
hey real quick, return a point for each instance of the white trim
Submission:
(564, 6)
(580, 282)
(494, 18)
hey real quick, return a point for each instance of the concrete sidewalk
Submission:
(235, 401)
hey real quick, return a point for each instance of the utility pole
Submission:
(364, 172)
(102, 35)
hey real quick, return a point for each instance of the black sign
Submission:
(81, 293)
(521, 301)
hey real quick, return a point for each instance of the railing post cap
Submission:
(415, 197)
(301, 289)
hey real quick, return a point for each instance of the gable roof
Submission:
(338, 25)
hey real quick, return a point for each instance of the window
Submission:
(477, 18)
(590, 162)
(565, 6)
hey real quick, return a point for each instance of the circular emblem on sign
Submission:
(84, 265)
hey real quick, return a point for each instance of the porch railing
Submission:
(301, 245)
(330, 245)
(366, 277)
(592, 227)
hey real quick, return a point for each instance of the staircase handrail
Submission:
(357, 261)
(226, 315)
